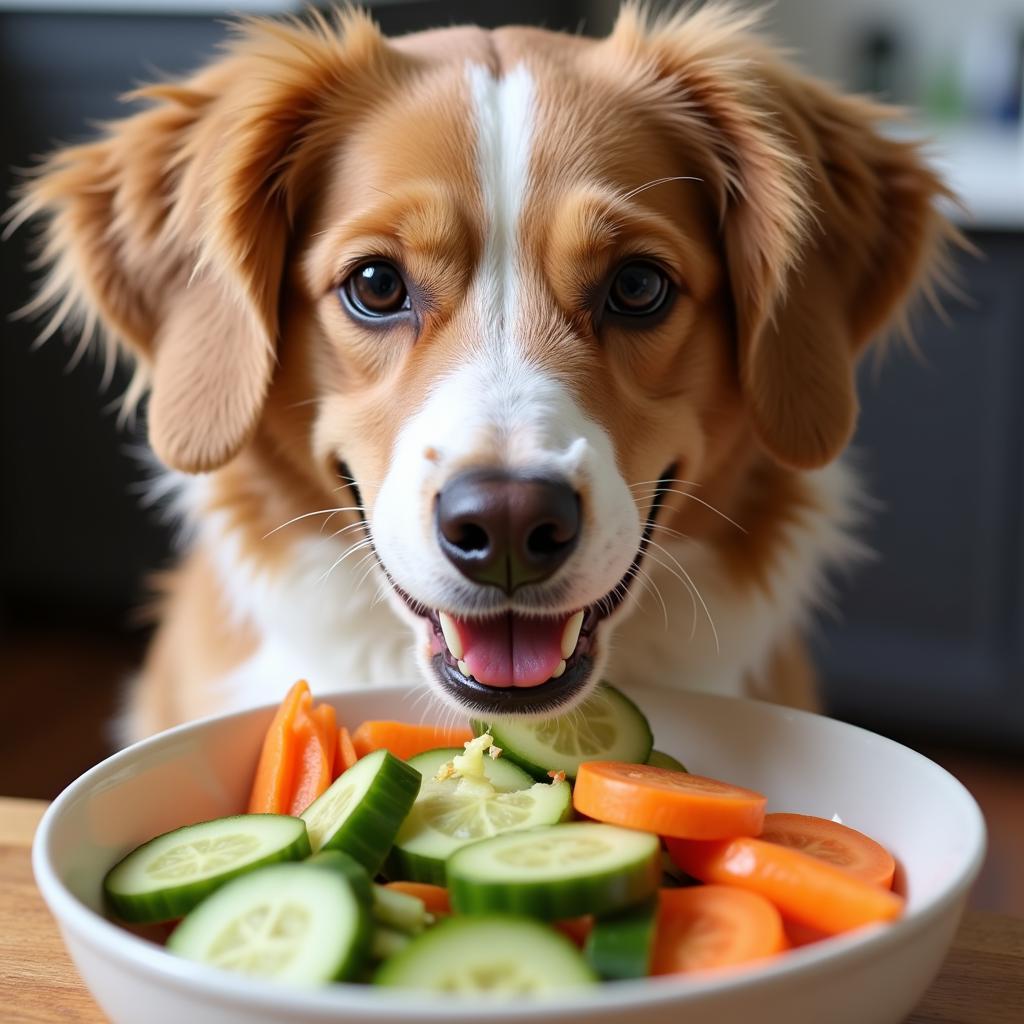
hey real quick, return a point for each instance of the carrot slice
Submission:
(804, 888)
(316, 737)
(405, 740)
(346, 754)
(829, 841)
(801, 935)
(272, 785)
(713, 926)
(435, 897)
(669, 803)
(576, 928)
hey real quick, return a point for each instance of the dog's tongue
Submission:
(512, 650)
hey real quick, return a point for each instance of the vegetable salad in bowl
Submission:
(517, 858)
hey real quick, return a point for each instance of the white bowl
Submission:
(804, 763)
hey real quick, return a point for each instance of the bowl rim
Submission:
(135, 953)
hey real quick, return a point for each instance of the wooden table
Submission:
(981, 983)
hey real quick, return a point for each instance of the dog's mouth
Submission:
(520, 663)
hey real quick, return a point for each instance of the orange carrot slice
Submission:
(713, 926)
(804, 888)
(576, 928)
(667, 802)
(435, 897)
(272, 785)
(316, 737)
(346, 754)
(829, 841)
(405, 740)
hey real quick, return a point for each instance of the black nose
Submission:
(507, 530)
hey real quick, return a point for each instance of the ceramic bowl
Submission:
(804, 763)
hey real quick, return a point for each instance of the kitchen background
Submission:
(928, 642)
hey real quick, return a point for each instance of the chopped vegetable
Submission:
(434, 897)
(666, 802)
(405, 740)
(297, 759)
(606, 726)
(804, 888)
(660, 759)
(291, 922)
(555, 872)
(832, 842)
(166, 877)
(620, 946)
(495, 955)
(711, 926)
(364, 808)
(347, 755)
(465, 800)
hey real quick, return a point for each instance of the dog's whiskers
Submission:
(358, 546)
(307, 515)
(692, 497)
(658, 181)
(687, 580)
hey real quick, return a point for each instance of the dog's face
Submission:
(514, 286)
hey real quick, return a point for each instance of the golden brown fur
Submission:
(208, 232)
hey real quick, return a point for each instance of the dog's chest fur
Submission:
(330, 622)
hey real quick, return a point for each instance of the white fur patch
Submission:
(750, 624)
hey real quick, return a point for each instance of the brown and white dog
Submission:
(519, 329)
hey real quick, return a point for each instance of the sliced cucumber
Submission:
(502, 774)
(660, 759)
(555, 872)
(166, 877)
(500, 956)
(296, 923)
(445, 818)
(363, 809)
(607, 726)
(619, 946)
(399, 911)
(352, 871)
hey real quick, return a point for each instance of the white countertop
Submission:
(985, 167)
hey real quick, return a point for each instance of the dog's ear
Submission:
(171, 229)
(829, 226)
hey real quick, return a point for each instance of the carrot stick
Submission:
(712, 926)
(666, 802)
(272, 785)
(346, 754)
(575, 928)
(314, 757)
(804, 888)
(405, 740)
(435, 897)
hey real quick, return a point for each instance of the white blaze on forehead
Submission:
(499, 409)
(504, 112)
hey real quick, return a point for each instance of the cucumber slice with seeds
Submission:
(607, 726)
(295, 923)
(619, 946)
(502, 774)
(443, 820)
(362, 810)
(493, 956)
(166, 877)
(555, 872)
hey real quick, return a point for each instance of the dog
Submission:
(505, 360)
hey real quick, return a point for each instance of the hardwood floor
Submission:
(61, 688)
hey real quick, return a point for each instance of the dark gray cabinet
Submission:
(929, 635)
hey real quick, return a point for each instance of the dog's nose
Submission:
(507, 530)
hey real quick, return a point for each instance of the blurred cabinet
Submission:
(930, 635)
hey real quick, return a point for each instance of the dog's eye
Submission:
(638, 289)
(375, 290)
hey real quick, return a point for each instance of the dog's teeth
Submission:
(560, 668)
(451, 635)
(570, 635)
(464, 669)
